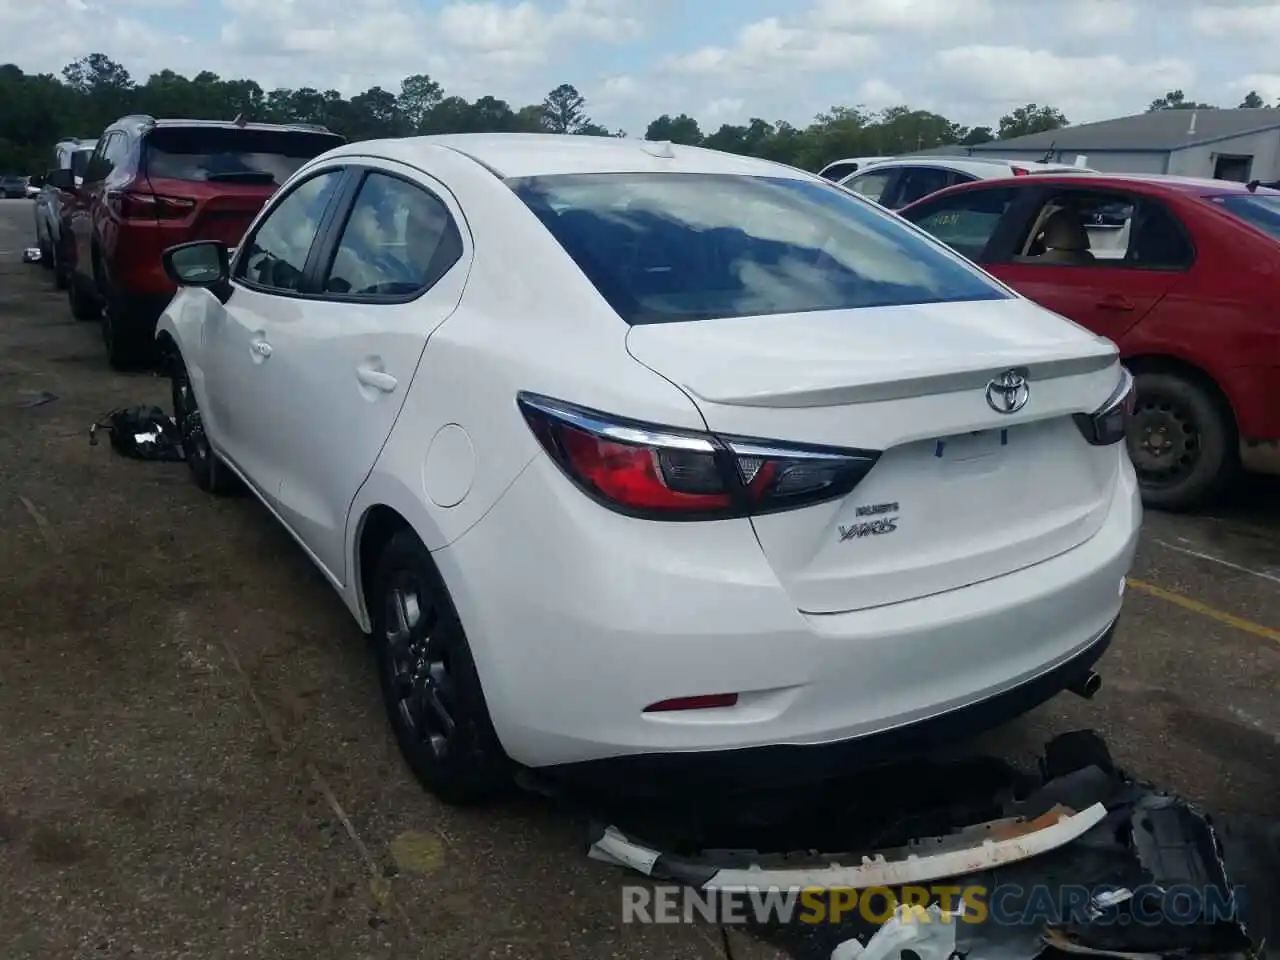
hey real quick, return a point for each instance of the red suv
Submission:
(153, 183)
(1179, 273)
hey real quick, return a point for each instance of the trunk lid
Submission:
(961, 493)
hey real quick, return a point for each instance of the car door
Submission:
(392, 268)
(242, 412)
(1137, 253)
(78, 205)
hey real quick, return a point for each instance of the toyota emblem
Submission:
(1008, 393)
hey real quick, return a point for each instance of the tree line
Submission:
(36, 110)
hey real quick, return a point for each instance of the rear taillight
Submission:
(1021, 172)
(140, 205)
(1109, 422)
(667, 473)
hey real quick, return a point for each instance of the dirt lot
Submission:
(194, 761)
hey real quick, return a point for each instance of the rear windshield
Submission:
(1261, 211)
(231, 155)
(671, 247)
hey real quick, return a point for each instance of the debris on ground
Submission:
(141, 433)
(36, 398)
(1081, 859)
(927, 933)
(31, 255)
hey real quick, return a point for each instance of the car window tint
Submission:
(277, 254)
(99, 166)
(838, 171)
(398, 240)
(965, 222)
(80, 162)
(870, 185)
(918, 182)
(678, 247)
(117, 150)
(231, 154)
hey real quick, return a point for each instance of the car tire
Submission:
(59, 264)
(207, 469)
(430, 685)
(1182, 441)
(83, 306)
(46, 254)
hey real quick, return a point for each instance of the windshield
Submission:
(672, 247)
(1262, 211)
(228, 154)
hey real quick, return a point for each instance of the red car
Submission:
(1182, 274)
(151, 184)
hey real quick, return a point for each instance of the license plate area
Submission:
(966, 447)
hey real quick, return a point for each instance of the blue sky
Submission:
(721, 61)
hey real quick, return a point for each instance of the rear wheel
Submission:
(1182, 441)
(207, 470)
(83, 306)
(429, 680)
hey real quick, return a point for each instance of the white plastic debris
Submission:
(929, 933)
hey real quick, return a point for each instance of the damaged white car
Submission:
(641, 459)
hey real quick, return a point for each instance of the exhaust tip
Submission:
(1086, 686)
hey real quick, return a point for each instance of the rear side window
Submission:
(918, 182)
(1262, 212)
(678, 247)
(232, 155)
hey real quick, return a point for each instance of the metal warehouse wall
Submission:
(1119, 162)
(1263, 147)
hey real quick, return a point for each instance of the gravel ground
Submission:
(194, 760)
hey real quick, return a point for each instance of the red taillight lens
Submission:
(1021, 172)
(667, 473)
(139, 205)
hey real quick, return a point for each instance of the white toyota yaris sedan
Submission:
(641, 458)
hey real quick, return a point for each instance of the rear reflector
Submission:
(667, 473)
(707, 701)
(1021, 172)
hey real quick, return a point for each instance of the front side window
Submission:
(276, 255)
(231, 154)
(679, 247)
(870, 185)
(398, 240)
(965, 222)
(1261, 212)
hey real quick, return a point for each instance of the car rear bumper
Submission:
(580, 618)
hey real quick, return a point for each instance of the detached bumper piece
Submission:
(1085, 861)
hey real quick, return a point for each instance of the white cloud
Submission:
(875, 94)
(1097, 19)
(1082, 87)
(909, 16)
(1266, 85)
(1256, 23)
(767, 47)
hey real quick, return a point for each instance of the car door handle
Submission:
(261, 348)
(1114, 301)
(378, 379)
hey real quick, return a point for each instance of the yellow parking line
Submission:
(1213, 613)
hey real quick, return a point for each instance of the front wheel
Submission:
(207, 470)
(1182, 441)
(429, 681)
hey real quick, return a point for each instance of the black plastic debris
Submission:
(31, 255)
(141, 433)
(1152, 878)
(36, 399)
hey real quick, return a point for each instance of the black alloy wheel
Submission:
(206, 469)
(429, 682)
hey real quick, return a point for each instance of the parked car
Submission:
(849, 165)
(53, 237)
(898, 181)
(638, 467)
(1179, 273)
(12, 186)
(152, 183)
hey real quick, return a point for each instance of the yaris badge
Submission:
(1008, 393)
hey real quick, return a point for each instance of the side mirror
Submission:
(61, 180)
(201, 263)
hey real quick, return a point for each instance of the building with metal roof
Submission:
(1242, 144)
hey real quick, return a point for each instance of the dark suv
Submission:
(151, 184)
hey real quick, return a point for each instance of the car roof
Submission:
(1196, 186)
(517, 155)
(139, 123)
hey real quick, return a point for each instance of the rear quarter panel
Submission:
(1224, 315)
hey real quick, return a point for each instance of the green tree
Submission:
(682, 129)
(565, 110)
(1177, 100)
(1252, 101)
(1031, 118)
